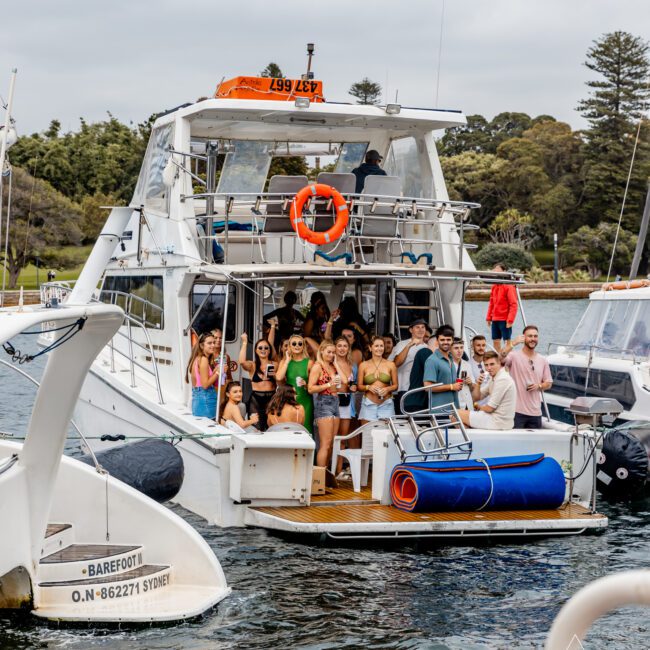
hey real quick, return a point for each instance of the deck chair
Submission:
(344, 183)
(276, 219)
(359, 459)
(374, 223)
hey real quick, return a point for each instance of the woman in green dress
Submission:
(294, 370)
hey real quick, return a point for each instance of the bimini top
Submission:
(244, 110)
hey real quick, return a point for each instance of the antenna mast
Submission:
(310, 53)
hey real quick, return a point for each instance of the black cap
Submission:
(419, 321)
(373, 154)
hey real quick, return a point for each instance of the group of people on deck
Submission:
(325, 371)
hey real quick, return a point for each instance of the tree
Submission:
(474, 177)
(618, 99)
(365, 91)
(513, 256)
(592, 247)
(512, 227)
(474, 136)
(101, 157)
(42, 220)
(272, 70)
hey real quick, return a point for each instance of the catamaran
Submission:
(212, 239)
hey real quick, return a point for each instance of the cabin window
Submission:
(245, 168)
(350, 157)
(403, 161)
(140, 296)
(570, 381)
(210, 316)
(614, 327)
(150, 190)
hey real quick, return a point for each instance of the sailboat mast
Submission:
(3, 152)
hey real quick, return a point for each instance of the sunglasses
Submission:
(263, 347)
(296, 344)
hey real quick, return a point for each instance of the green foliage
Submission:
(94, 216)
(42, 220)
(365, 91)
(475, 177)
(511, 255)
(272, 70)
(537, 274)
(103, 157)
(592, 248)
(512, 227)
(579, 275)
(618, 99)
(288, 166)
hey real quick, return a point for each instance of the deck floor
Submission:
(344, 492)
(373, 513)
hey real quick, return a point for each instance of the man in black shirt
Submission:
(369, 168)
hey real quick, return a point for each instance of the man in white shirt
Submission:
(403, 355)
(499, 411)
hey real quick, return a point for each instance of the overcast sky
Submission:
(80, 59)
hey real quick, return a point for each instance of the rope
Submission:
(487, 467)
(72, 330)
(627, 185)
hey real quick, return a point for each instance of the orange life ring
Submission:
(631, 284)
(298, 223)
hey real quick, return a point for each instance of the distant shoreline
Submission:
(475, 292)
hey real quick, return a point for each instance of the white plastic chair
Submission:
(359, 459)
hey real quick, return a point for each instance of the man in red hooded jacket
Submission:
(502, 310)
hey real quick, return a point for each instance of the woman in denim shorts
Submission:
(377, 381)
(201, 373)
(324, 383)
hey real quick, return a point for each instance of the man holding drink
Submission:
(439, 369)
(531, 374)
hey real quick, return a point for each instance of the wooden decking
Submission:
(368, 514)
(343, 493)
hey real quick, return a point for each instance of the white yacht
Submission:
(209, 242)
(78, 545)
(608, 355)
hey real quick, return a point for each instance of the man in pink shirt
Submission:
(531, 374)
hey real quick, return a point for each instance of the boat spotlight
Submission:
(393, 109)
(302, 102)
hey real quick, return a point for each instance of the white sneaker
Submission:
(344, 476)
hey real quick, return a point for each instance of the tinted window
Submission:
(211, 315)
(570, 382)
(140, 296)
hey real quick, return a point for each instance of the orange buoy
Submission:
(625, 284)
(298, 223)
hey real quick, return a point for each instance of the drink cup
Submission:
(300, 382)
(337, 381)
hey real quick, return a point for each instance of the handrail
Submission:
(413, 391)
(128, 299)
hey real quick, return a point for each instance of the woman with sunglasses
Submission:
(202, 375)
(262, 374)
(294, 370)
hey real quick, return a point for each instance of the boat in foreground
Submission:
(77, 544)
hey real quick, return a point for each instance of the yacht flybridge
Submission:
(213, 239)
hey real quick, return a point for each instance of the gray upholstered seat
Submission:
(277, 215)
(345, 184)
(373, 223)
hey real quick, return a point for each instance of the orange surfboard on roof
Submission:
(270, 88)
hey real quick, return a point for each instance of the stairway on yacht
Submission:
(90, 582)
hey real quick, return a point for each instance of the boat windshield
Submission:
(612, 327)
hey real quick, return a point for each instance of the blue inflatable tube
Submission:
(511, 483)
